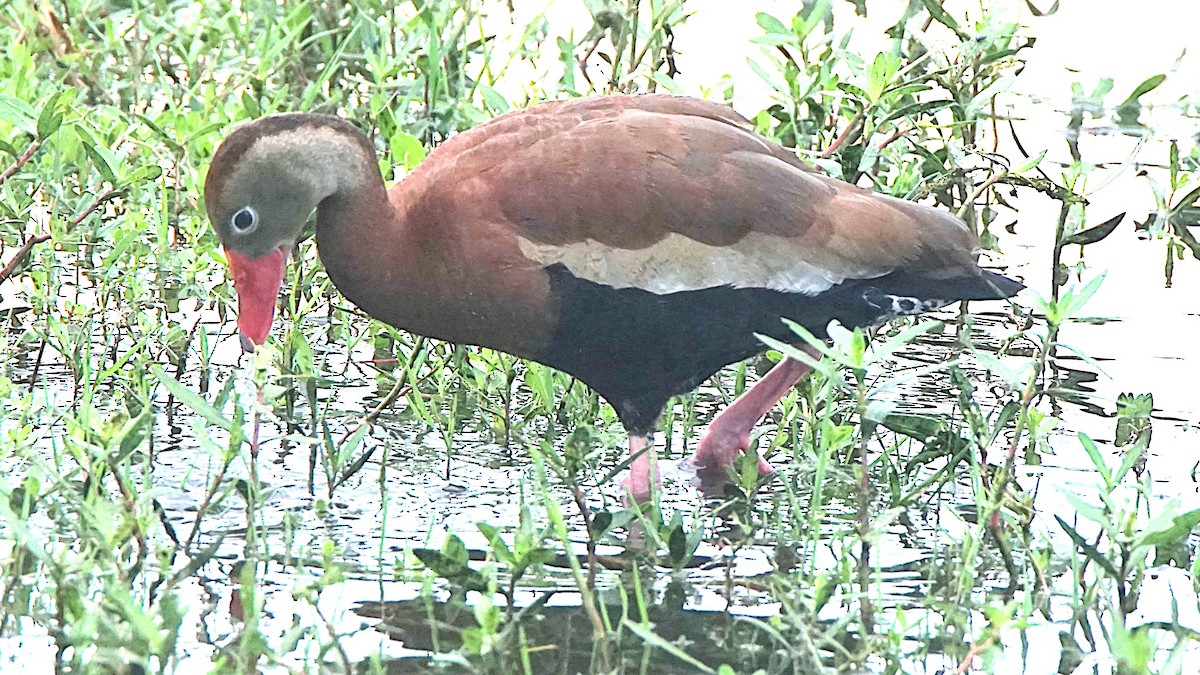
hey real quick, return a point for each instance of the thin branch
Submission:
(1046, 187)
(896, 135)
(21, 161)
(982, 188)
(23, 252)
(974, 652)
(837, 142)
(399, 389)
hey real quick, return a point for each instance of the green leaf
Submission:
(1133, 417)
(347, 449)
(1130, 458)
(50, 119)
(406, 149)
(600, 523)
(1167, 530)
(1186, 201)
(816, 14)
(883, 70)
(1097, 233)
(438, 563)
(677, 544)
(824, 588)
(494, 100)
(159, 132)
(132, 433)
(827, 366)
(1149, 84)
(191, 399)
(1073, 299)
(654, 640)
(917, 110)
(935, 9)
(773, 40)
(765, 76)
(1098, 461)
(1029, 164)
(1091, 552)
(1094, 513)
(18, 113)
(920, 427)
(666, 82)
(1103, 87)
(104, 160)
(1173, 164)
(146, 172)
(450, 563)
(501, 550)
(455, 550)
(903, 338)
(771, 24)
(1041, 12)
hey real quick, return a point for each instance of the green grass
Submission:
(154, 480)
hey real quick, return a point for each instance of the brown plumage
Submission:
(637, 242)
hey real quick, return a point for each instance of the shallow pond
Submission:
(375, 519)
(339, 582)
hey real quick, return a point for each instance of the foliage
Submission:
(149, 509)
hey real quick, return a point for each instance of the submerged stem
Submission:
(866, 609)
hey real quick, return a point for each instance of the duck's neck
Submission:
(422, 259)
(357, 236)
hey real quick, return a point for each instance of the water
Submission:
(1145, 345)
(422, 507)
(1139, 350)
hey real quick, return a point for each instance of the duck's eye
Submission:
(243, 220)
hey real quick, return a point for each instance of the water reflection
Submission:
(559, 638)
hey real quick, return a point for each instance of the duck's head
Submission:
(264, 181)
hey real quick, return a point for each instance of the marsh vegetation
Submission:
(976, 491)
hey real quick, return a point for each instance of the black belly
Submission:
(637, 349)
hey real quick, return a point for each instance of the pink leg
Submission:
(729, 433)
(644, 470)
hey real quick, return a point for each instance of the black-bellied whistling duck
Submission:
(635, 242)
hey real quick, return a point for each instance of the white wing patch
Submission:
(677, 263)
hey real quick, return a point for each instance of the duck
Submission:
(639, 243)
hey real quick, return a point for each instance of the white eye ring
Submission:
(243, 220)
